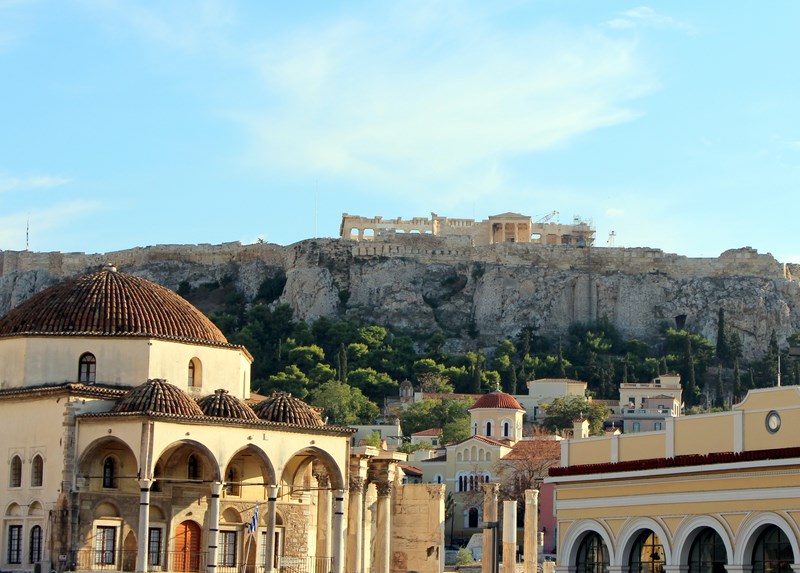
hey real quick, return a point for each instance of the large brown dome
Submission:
(282, 407)
(111, 303)
(221, 404)
(158, 396)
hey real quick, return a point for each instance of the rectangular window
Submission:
(36, 544)
(105, 544)
(636, 426)
(227, 548)
(658, 425)
(14, 555)
(154, 546)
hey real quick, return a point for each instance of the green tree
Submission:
(343, 404)
(374, 385)
(562, 411)
(722, 350)
(436, 413)
(291, 379)
(306, 357)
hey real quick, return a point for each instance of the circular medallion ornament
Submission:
(773, 422)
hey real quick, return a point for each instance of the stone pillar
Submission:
(213, 526)
(355, 519)
(490, 496)
(509, 536)
(269, 546)
(339, 551)
(144, 525)
(323, 514)
(383, 534)
(531, 531)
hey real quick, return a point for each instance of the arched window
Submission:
(772, 552)
(37, 471)
(707, 554)
(472, 517)
(195, 373)
(475, 428)
(647, 554)
(35, 552)
(592, 555)
(192, 467)
(15, 472)
(488, 429)
(87, 368)
(110, 473)
(506, 429)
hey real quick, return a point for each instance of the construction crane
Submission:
(547, 217)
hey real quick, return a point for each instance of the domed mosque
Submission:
(131, 445)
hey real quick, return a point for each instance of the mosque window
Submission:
(105, 543)
(592, 555)
(472, 517)
(707, 554)
(772, 552)
(14, 555)
(35, 553)
(647, 554)
(227, 548)
(110, 473)
(87, 368)
(37, 471)
(488, 429)
(506, 429)
(192, 467)
(195, 371)
(15, 475)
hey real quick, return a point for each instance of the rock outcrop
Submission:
(476, 295)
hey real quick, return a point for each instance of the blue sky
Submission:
(130, 123)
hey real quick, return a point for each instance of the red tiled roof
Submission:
(410, 471)
(428, 432)
(497, 400)
(480, 438)
(442, 458)
(111, 303)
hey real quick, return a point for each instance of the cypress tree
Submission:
(737, 380)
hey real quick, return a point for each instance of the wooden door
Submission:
(187, 547)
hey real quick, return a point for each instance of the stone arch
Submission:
(301, 460)
(176, 454)
(157, 513)
(91, 463)
(750, 530)
(459, 457)
(631, 530)
(106, 508)
(689, 529)
(35, 509)
(268, 475)
(576, 533)
(13, 510)
(231, 516)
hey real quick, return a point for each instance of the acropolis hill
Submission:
(476, 293)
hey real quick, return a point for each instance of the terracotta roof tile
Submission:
(221, 404)
(111, 303)
(158, 396)
(282, 407)
(497, 400)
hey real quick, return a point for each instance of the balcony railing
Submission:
(102, 560)
(186, 561)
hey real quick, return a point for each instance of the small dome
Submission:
(111, 303)
(157, 396)
(221, 404)
(281, 407)
(497, 400)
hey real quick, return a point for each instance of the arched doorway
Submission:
(592, 555)
(707, 553)
(647, 554)
(187, 547)
(772, 552)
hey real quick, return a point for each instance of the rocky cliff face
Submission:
(475, 295)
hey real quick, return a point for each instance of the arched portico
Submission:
(752, 527)
(691, 527)
(630, 534)
(106, 464)
(576, 533)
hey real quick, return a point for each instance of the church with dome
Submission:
(132, 443)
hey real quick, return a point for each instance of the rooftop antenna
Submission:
(779, 370)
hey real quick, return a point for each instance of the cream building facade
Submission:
(717, 492)
(131, 445)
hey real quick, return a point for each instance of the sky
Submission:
(673, 124)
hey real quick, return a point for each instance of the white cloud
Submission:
(615, 212)
(406, 101)
(31, 182)
(645, 17)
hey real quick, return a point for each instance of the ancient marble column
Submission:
(323, 513)
(531, 531)
(383, 533)
(213, 526)
(509, 536)
(144, 525)
(269, 546)
(490, 497)
(355, 519)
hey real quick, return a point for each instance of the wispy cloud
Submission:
(404, 99)
(645, 17)
(42, 223)
(31, 182)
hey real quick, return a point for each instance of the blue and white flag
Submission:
(253, 525)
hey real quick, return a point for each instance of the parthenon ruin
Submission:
(504, 228)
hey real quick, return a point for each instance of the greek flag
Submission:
(253, 525)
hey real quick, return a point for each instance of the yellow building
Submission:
(131, 446)
(717, 492)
